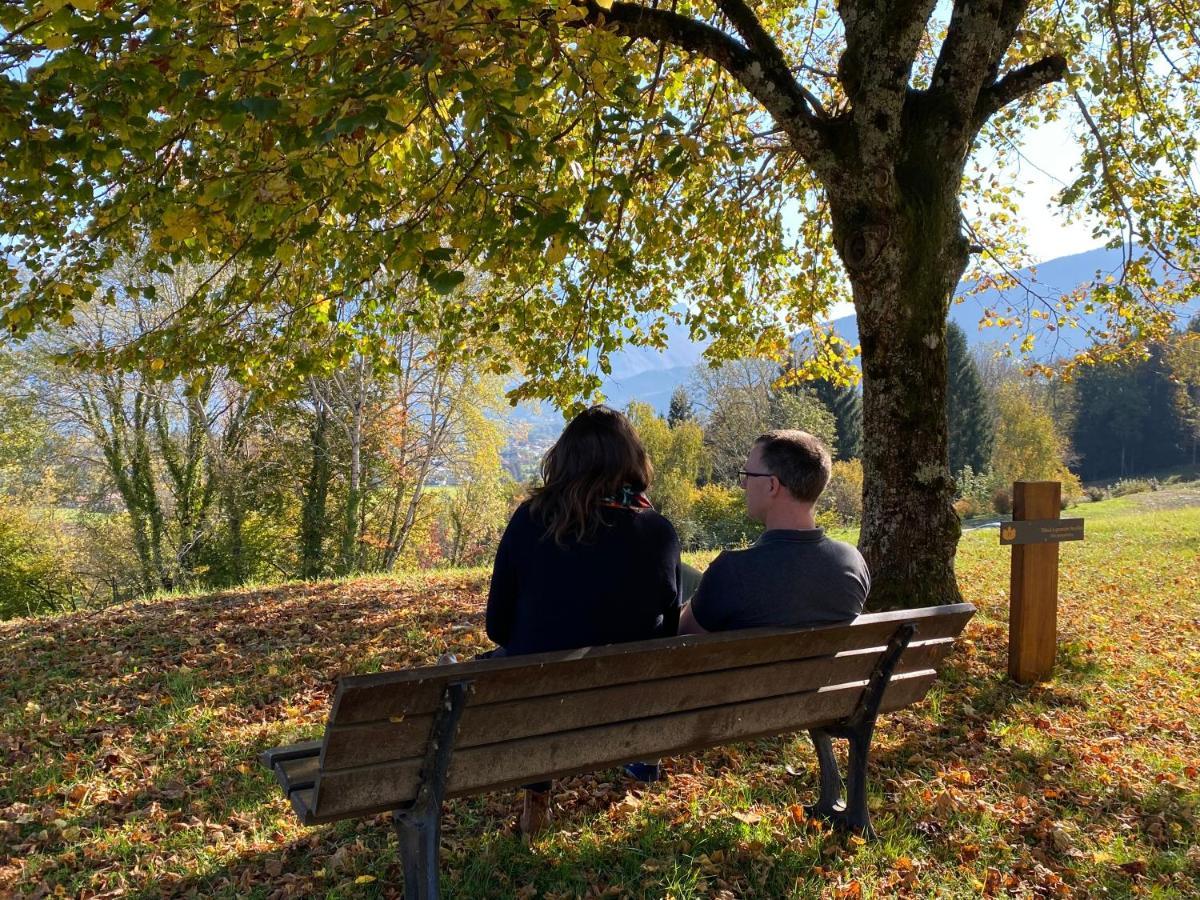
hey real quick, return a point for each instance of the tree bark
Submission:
(348, 556)
(910, 530)
(903, 246)
(316, 494)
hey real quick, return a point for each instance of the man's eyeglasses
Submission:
(743, 474)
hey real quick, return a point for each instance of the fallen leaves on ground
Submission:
(129, 738)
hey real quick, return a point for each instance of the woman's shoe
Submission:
(535, 815)
(645, 772)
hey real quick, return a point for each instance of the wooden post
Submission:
(1033, 613)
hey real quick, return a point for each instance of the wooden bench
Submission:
(404, 741)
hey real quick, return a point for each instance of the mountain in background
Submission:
(651, 377)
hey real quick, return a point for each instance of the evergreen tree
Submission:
(1129, 420)
(846, 405)
(680, 410)
(972, 429)
(1183, 358)
(1111, 416)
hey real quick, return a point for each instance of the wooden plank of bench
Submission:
(291, 751)
(377, 788)
(297, 773)
(381, 697)
(359, 745)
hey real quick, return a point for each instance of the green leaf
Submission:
(260, 107)
(445, 281)
(551, 224)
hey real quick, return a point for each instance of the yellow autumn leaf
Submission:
(556, 252)
(364, 879)
(58, 40)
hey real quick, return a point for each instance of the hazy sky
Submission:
(1050, 156)
(1048, 159)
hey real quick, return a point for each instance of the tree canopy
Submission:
(535, 182)
(573, 181)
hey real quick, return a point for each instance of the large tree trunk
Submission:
(904, 249)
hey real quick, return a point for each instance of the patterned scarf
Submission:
(628, 498)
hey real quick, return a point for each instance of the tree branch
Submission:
(750, 28)
(977, 38)
(786, 101)
(1017, 84)
(882, 39)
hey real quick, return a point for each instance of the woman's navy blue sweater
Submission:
(620, 584)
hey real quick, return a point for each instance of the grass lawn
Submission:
(128, 739)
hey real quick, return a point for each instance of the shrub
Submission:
(965, 509)
(1127, 486)
(35, 575)
(719, 514)
(1096, 494)
(1072, 488)
(975, 492)
(841, 504)
(107, 556)
(674, 495)
(1002, 501)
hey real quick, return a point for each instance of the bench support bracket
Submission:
(419, 826)
(851, 813)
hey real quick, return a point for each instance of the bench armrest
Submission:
(270, 758)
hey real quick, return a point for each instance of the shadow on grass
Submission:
(157, 712)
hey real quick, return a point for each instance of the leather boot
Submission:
(535, 815)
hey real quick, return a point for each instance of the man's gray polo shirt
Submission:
(787, 578)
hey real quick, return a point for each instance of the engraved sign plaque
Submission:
(1041, 531)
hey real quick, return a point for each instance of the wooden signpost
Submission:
(1034, 534)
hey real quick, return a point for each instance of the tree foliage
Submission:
(845, 402)
(319, 150)
(1130, 417)
(1183, 358)
(35, 575)
(538, 180)
(680, 409)
(1028, 446)
(967, 413)
(680, 460)
(740, 402)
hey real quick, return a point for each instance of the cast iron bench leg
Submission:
(419, 827)
(829, 805)
(852, 813)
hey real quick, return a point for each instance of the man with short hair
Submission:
(793, 575)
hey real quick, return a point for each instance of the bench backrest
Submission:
(554, 714)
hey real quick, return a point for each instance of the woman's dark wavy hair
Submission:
(597, 455)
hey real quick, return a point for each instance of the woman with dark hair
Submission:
(586, 560)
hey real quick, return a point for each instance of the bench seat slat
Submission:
(377, 698)
(358, 745)
(369, 789)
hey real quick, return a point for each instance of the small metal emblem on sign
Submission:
(1041, 531)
